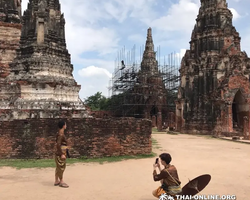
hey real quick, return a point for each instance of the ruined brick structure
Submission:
(40, 83)
(149, 93)
(88, 137)
(37, 89)
(214, 94)
(10, 31)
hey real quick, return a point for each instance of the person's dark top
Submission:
(60, 140)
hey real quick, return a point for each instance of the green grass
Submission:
(173, 133)
(45, 163)
(155, 144)
(154, 129)
(158, 132)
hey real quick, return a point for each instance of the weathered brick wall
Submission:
(90, 137)
(101, 114)
(9, 42)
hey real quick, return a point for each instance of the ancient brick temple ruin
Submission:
(10, 31)
(37, 89)
(151, 87)
(145, 94)
(214, 95)
(40, 83)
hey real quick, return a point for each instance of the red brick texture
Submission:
(235, 83)
(88, 137)
(9, 42)
(224, 123)
(101, 114)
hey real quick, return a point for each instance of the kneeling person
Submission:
(170, 183)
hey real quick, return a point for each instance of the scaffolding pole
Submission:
(125, 76)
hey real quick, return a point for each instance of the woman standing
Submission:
(60, 157)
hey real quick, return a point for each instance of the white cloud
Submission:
(180, 17)
(93, 77)
(236, 15)
(81, 39)
(93, 71)
(245, 42)
(102, 63)
(182, 52)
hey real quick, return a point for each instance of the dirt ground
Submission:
(227, 162)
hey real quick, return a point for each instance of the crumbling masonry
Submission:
(214, 95)
(37, 89)
(149, 91)
(40, 83)
(10, 32)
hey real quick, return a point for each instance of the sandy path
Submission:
(227, 162)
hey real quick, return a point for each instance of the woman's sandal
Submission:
(56, 184)
(64, 185)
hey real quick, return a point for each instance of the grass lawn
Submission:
(44, 163)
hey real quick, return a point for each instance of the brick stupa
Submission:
(40, 83)
(214, 94)
(149, 94)
(10, 32)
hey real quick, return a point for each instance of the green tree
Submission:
(97, 102)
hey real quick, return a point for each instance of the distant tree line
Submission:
(99, 102)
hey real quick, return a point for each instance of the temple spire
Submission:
(10, 11)
(212, 71)
(214, 30)
(43, 59)
(213, 4)
(149, 62)
(149, 42)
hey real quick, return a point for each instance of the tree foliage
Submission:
(97, 102)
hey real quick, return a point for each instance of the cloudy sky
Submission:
(96, 30)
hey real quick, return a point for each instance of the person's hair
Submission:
(166, 157)
(61, 124)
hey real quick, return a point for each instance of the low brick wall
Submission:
(88, 137)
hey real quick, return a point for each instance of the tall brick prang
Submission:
(41, 83)
(151, 95)
(10, 32)
(214, 94)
